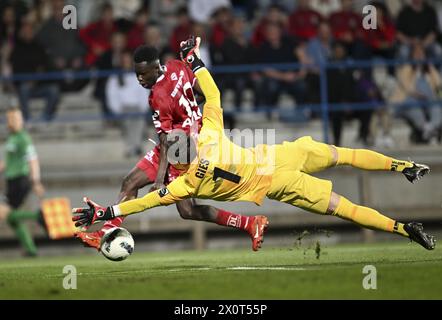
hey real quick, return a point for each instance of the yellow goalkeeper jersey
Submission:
(222, 170)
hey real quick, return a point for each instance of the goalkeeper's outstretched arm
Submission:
(212, 112)
(176, 191)
(209, 88)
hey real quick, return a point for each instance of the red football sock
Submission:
(116, 222)
(234, 220)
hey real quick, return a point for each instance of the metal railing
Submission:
(324, 107)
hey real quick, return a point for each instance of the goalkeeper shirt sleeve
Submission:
(212, 112)
(177, 190)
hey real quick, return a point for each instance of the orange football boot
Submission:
(256, 231)
(91, 239)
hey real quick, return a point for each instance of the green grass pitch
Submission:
(404, 271)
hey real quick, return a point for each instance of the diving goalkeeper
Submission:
(220, 170)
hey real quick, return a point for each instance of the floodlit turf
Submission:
(404, 271)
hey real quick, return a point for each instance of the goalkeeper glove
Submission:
(190, 53)
(84, 217)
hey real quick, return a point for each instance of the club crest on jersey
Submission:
(163, 192)
(174, 77)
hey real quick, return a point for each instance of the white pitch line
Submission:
(157, 271)
(267, 268)
(188, 269)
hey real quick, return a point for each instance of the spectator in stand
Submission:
(125, 9)
(304, 21)
(235, 50)
(182, 30)
(367, 92)
(382, 39)
(8, 26)
(37, 14)
(153, 37)
(394, 6)
(63, 47)
(341, 88)
(417, 24)
(36, 62)
(8, 36)
(135, 36)
(274, 15)
(163, 12)
(97, 35)
(222, 22)
(346, 26)
(109, 60)
(20, 8)
(325, 7)
(319, 48)
(381, 126)
(272, 82)
(128, 100)
(199, 30)
(201, 11)
(315, 52)
(418, 87)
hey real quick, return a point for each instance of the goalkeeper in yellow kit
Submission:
(220, 170)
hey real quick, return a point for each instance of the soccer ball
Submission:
(117, 244)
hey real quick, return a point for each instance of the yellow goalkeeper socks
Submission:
(370, 160)
(399, 228)
(367, 217)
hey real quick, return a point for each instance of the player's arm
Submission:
(162, 164)
(175, 191)
(163, 122)
(212, 108)
(34, 167)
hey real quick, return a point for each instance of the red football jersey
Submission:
(172, 100)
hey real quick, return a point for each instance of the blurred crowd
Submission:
(308, 32)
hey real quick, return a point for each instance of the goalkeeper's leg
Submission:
(372, 219)
(319, 156)
(315, 195)
(371, 160)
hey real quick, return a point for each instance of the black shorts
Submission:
(17, 189)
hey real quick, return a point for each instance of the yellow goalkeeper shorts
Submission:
(291, 182)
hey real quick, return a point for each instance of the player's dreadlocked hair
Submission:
(145, 54)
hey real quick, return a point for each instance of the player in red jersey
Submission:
(174, 107)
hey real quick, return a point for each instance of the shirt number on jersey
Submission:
(156, 119)
(188, 102)
(226, 175)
